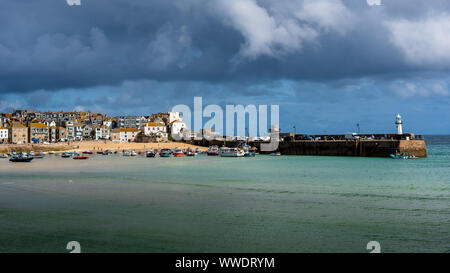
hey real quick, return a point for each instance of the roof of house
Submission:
(18, 125)
(129, 129)
(154, 124)
(38, 125)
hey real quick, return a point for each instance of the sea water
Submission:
(212, 204)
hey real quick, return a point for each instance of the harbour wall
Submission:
(365, 148)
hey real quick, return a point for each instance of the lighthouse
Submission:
(398, 123)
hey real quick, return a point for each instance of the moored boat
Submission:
(231, 152)
(126, 153)
(401, 156)
(21, 159)
(275, 154)
(165, 153)
(4, 156)
(87, 152)
(81, 157)
(66, 155)
(150, 154)
(39, 155)
(133, 153)
(213, 151)
(107, 152)
(248, 150)
(178, 152)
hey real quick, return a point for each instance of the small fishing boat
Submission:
(107, 152)
(231, 152)
(213, 151)
(126, 153)
(66, 155)
(248, 150)
(191, 153)
(87, 152)
(251, 152)
(4, 156)
(133, 153)
(21, 159)
(39, 155)
(178, 152)
(275, 154)
(51, 152)
(165, 153)
(402, 156)
(81, 157)
(150, 154)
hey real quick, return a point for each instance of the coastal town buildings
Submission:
(18, 134)
(38, 133)
(130, 122)
(102, 132)
(115, 135)
(3, 134)
(29, 126)
(88, 132)
(174, 116)
(177, 128)
(155, 128)
(128, 134)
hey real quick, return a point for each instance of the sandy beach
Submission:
(95, 146)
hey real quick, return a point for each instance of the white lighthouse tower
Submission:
(398, 123)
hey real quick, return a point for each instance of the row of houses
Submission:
(27, 126)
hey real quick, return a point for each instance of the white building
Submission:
(74, 131)
(128, 134)
(102, 132)
(177, 128)
(3, 135)
(174, 116)
(155, 128)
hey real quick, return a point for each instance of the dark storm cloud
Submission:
(51, 46)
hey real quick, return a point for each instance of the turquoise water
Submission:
(213, 204)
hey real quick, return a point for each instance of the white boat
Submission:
(39, 155)
(231, 152)
(4, 156)
(213, 151)
(275, 154)
(133, 153)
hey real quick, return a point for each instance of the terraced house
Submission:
(18, 134)
(128, 134)
(39, 133)
(57, 134)
(155, 128)
(3, 134)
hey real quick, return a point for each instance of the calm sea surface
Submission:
(212, 204)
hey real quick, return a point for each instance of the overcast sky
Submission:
(329, 64)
